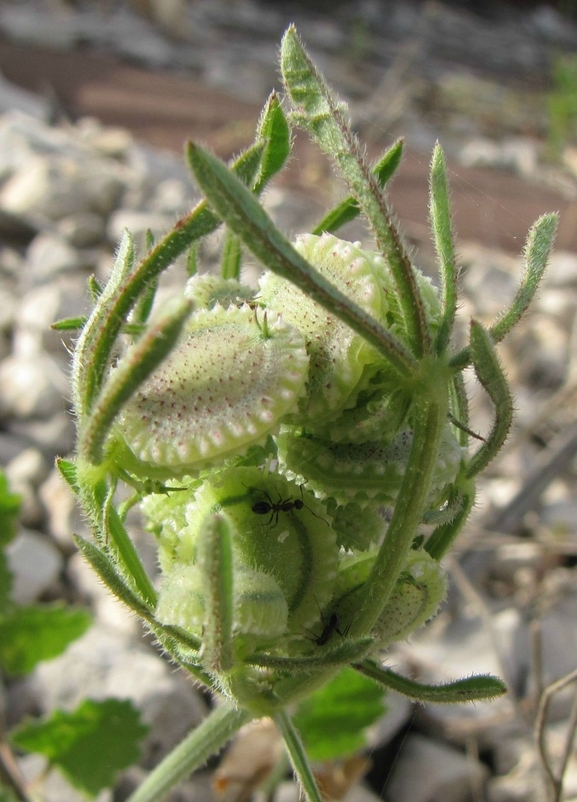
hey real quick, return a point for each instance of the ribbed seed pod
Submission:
(340, 358)
(361, 471)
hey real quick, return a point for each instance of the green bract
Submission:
(288, 446)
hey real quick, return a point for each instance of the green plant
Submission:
(91, 744)
(562, 103)
(300, 452)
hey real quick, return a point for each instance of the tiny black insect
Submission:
(330, 627)
(274, 508)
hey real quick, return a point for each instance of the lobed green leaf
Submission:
(39, 632)
(333, 720)
(9, 509)
(90, 745)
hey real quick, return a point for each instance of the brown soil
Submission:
(165, 109)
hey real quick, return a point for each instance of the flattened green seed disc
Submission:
(379, 412)
(339, 356)
(225, 386)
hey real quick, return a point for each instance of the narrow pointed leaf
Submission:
(346, 652)
(112, 579)
(273, 129)
(430, 416)
(67, 470)
(114, 582)
(192, 260)
(348, 209)
(459, 405)
(241, 211)
(536, 255)
(95, 288)
(214, 555)
(69, 324)
(144, 305)
(537, 250)
(325, 119)
(125, 552)
(231, 256)
(96, 341)
(444, 535)
(440, 213)
(491, 376)
(471, 689)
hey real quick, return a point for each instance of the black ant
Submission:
(330, 626)
(274, 508)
